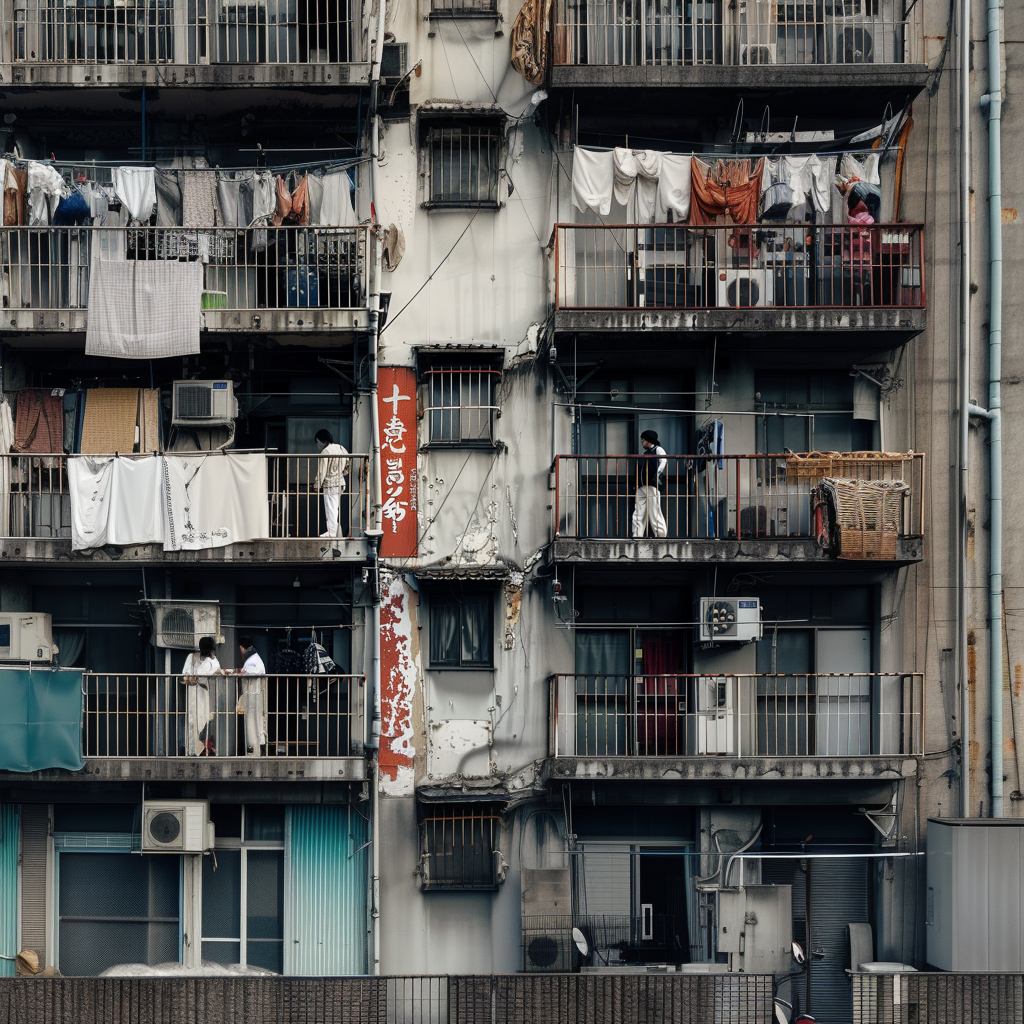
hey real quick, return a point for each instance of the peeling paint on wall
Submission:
(513, 602)
(398, 673)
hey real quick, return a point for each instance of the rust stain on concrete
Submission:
(1009, 214)
(1018, 679)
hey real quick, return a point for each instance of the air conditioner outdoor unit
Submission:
(176, 826)
(180, 625)
(549, 950)
(730, 619)
(716, 717)
(745, 287)
(203, 403)
(394, 61)
(26, 636)
(758, 53)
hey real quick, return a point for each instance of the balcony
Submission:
(116, 43)
(142, 727)
(749, 46)
(42, 503)
(296, 281)
(806, 725)
(743, 508)
(741, 279)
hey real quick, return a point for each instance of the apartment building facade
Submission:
(488, 249)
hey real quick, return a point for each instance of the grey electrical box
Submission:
(755, 924)
(974, 909)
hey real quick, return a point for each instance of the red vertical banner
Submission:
(396, 410)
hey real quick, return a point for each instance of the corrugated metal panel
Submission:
(8, 886)
(35, 827)
(838, 894)
(325, 930)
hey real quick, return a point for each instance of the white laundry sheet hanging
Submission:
(144, 309)
(214, 499)
(659, 183)
(182, 502)
(115, 500)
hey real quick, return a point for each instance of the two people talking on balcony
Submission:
(330, 482)
(650, 472)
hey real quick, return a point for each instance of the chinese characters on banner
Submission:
(396, 409)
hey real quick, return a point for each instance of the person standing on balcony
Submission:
(254, 696)
(197, 670)
(650, 472)
(330, 481)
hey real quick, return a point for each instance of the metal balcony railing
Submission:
(191, 32)
(154, 715)
(244, 270)
(39, 497)
(738, 266)
(768, 715)
(734, 497)
(692, 33)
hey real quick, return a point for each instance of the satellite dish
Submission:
(581, 942)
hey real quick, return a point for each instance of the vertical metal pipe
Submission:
(965, 382)
(995, 333)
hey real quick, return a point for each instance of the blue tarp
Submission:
(40, 719)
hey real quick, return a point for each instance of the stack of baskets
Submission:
(868, 515)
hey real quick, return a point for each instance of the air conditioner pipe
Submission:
(992, 103)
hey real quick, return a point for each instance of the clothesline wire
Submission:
(69, 166)
(708, 156)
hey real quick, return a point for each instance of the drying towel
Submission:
(144, 309)
(865, 169)
(149, 421)
(39, 421)
(198, 198)
(592, 177)
(45, 188)
(648, 174)
(168, 199)
(214, 499)
(734, 187)
(673, 188)
(115, 501)
(108, 424)
(623, 174)
(136, 188)
(336, 206)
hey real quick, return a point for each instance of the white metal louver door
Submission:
(837, 896)
(843, 705)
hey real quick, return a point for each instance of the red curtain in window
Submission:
(660, 699)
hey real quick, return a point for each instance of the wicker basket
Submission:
(816, 466)
(869, 516)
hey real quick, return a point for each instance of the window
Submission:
(462, 404)
(462, 629)
(243, 888)
(460, 847)
(462, 162)
(464, 8)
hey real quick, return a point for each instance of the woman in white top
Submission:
(197, 667)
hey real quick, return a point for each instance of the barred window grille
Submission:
(464, 8)
(462, 405)
(462, 165)
(460, 847)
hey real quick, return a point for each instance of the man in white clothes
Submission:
(650, 471)
(330, 481)
(254, 696)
